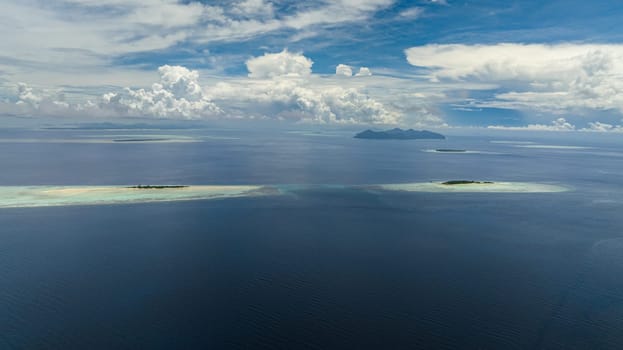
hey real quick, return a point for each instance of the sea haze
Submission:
(321, 267)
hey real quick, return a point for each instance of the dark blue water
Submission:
(319, 268)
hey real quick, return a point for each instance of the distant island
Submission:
(450, 150)
(399, 134)
(140, 140)
(157, 187)
(465, 182)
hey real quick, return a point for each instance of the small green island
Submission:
(465, 182)
(450, 150)
(156, 187)
(142, 140)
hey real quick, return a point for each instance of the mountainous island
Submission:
(399, 134)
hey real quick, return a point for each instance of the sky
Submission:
(519, 65)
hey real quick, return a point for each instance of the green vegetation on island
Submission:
(465, 182)
(450, 150)
(156, 187)
(141, 140)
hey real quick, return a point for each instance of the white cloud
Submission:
(181, 81)
(40, 99)
(280, 86)
(99, 45)
(603, 127)
(280, 64)
(364, 72)
(525, 62)
(559, 124)
(177, 95)
(343, 70)
(412, 13)
(89, 33)
(26, 95)
(289, 91)
(254, 8)
(351, 106)
(307, 100)
(553, 78)
(311, 99)
(164, 14)
(338, 11)
(25, 100)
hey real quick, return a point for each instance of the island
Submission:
(48, 196)
(470, 186)
(465, 182)
(141, 140)
(399, 134)
(450, 150)
(156, 187)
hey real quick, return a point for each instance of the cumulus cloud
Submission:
(347, 71)
(561, 124)
(343, 70)
(284, 88)
(364, 72)
(302, 100)
(178, 94)
(289, 91)
(351, 106)
(279, 86)
(279, 64)
(29, 100)
(553, 78)
(26, 95)
(603, 127)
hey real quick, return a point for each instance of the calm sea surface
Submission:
(320, 267)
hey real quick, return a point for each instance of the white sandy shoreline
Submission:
(493, 187)
(47, 196)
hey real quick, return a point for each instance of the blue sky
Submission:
(552, 65)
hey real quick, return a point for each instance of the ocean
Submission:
(323, 266)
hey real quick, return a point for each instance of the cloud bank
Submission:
(561, 124)
(551, 78)
(283, 87)
(279, 86)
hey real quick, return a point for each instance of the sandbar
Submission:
(46, 196)
(491, 187)
(50, 196)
